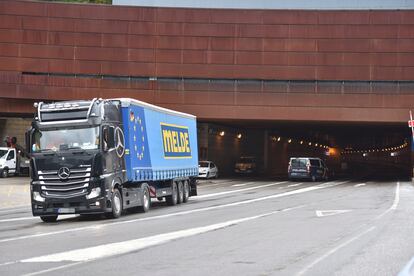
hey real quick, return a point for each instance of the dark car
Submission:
(307, 168)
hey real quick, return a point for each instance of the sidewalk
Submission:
(14, 192)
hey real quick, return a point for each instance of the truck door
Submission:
(11, 161)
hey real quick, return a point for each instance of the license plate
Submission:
(66, 210)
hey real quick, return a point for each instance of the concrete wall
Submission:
(14, 127)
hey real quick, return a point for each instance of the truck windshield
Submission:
(66, 139)
(3, 154)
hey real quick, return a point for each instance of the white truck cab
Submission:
(12, 163)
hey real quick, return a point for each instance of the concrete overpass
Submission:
(235, 68)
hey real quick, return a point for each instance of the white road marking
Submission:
(395, 202)
(11, 209)
(298, 191)
(242, 184)
(51, 269)
(397, 197)
(295, 185)
(29, 218)
(238, 190)
(333, 250)
(326, 213)
(359, 185)
(113, 249)
(17, 219)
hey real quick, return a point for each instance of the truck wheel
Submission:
(49, 218)
(186, 191)
(180, 191)
(145, 200)
(116, 203)
(5, 173)
(172, 199)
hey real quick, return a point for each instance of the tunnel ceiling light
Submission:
(310, 144)
(239, 136)
(222, 133)
(278, 139)
(290, 141)
(301, 142)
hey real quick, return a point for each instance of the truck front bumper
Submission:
(75, 205)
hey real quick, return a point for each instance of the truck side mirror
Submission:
(27, 141)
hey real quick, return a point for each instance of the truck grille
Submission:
(76, 184)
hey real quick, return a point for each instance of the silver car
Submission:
(207, 169)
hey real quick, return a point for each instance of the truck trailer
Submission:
(108, 155)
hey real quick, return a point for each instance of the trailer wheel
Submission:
(146, 200)
(173, 198)
(5, 173)
(49, 218)
(186, 191)
(116, 204)
(180, 191)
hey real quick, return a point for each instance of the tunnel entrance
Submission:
(369, 151)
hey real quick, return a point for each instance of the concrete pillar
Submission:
(202, 141)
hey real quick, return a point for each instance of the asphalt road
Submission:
(234, 227)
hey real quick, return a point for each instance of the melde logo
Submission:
(176, 141)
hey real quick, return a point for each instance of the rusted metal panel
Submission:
(184, 15)
(249, 57)
(46, 51)
(141, 41)
(218, 43)
(110, 40)
(237, 16)
(10, 21)
(194, 56)
(141, 55)
(169, 29)
(220, 57)
(290, 17)
(195, 43)
(343, 17)
(216, 30)
(264, 31)
(169, 56)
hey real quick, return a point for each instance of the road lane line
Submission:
(10, 191)
(17, 219)
(238, 190)
(333, 251)
(237, 203)
(394, 204)
(52, 269)
(408, 268)
(117, 248)
(359, 185)
(397, 197)
(295, 185)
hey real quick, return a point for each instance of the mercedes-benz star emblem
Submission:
(119, 142)
(64, 173)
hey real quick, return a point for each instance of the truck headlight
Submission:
(95, 192)
(38, 197)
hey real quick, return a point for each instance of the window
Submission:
(11, 155)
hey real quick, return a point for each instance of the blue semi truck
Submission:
(105, 156)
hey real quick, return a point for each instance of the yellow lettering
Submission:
(187, 143)
(174, 141)
(167, 140)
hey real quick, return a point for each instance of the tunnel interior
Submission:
(356, 150)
